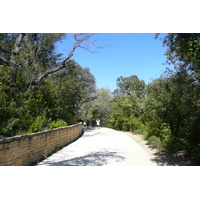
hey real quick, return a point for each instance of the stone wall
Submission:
(25, 149)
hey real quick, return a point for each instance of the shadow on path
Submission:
(93, 159)
(91, 135)
(163, 158)
(90, 129)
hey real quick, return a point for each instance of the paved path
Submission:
(101, 147)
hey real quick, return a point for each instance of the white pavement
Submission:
(101, 147)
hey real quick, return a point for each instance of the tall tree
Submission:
(75, 86)
(30, 72)
(125, 85)
(127, 101)
(102, 106)
(181, 89)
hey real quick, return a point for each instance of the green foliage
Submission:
(172, 105)
(184, 47)
(26, 106)
(195, 154)
(127, 113)
(56, 124)
(8, 127)
(38, 124)
(101, 107)
(74, 87)
(142, 130)
(130, 84)
(168, 107)
(155, 142)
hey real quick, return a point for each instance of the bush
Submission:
(155, 142)
(196, 154)
(142, 131)
(38, 124)
(56, 124)
(8, 127)
(134, 124)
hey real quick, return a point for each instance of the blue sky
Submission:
(125, 54)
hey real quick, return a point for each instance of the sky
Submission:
(123, 54)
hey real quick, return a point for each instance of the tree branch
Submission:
(17, 43)
(16, 49)
(80, 38)
(14, 52)
(4, 59)
(87, 100)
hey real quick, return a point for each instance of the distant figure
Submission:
(88, 123)
(84, 123)
(98, 122)
(93, 123)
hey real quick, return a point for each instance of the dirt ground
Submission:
(161, 157)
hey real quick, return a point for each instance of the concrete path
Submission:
(101, 147)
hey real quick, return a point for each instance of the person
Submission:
(98, 122)
(93, 123)
(84, 123)
(88, 123)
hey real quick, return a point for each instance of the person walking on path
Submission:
(84, 124)
(93, 123)
(88, 123)
(98, 122)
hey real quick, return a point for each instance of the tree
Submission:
(128, 100)
(130, 84)
(179, 106)
(31, 72)
(75, 86)
(102, 106)
(184, 47)
(37, 51)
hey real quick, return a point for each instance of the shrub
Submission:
(155, 142)
(38, 124)
(8, 127)
(142, 130)
(56, 124)
(196, 154)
